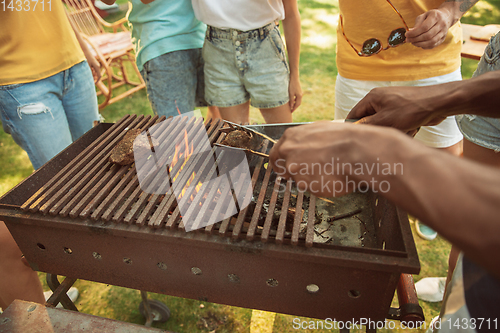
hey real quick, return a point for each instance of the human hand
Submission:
(324, 157)
(295, 93)
(430, 28)
(404, 108)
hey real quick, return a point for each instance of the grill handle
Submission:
(409, 309)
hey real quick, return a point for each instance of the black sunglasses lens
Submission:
(371, 46)
(397, 37)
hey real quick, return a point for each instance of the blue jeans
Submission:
(45, 116)
(484, 131)
(175, 81)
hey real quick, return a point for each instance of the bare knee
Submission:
(239, 114)
(280, 114)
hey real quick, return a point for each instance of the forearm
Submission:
(457, 8)
(407, 108)
(292, 30)
(478, 96)
(457, 198)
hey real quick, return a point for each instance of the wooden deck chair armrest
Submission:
(100, 57)
(120, 24)
(113, 25)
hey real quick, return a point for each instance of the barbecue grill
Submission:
(282, 250)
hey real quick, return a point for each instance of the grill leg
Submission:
(410, 310)
(147, 309)
(153, 310)
(59, 292)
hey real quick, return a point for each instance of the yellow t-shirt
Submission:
(363, 20)
(36, 41)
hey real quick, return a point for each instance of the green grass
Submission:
(318, 71)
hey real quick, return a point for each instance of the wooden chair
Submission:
(112, 49)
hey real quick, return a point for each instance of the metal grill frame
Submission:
(353, 282)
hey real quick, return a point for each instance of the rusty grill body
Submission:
(83, 217)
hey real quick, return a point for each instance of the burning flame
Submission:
(183, 152)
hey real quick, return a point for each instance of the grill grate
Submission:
(92, 187)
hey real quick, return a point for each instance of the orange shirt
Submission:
(363, 20)
(36, 41)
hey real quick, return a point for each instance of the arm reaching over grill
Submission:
(408, 108)
(456, 197)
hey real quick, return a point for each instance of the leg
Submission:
(474, 127)
(267, 76)
(171, 82)
(481, 154)
(220, 84)
(80, 100)
(239, 114)
(33, 114)
(452, 263)
(17, 280)
(280, 114)
(456, 149)
(213, 113)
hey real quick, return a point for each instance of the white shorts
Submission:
(349, 92)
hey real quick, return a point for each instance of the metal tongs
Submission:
(252, 133)
(243, 149)
(233, 126)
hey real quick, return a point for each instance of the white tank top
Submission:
(242, 15)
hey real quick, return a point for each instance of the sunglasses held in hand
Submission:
(373, 46)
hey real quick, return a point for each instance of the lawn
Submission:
(318, 71)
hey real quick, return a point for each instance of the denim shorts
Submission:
(45, 116)
(349, 92)
(245, 65)
(484, 131)
(174, 81)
